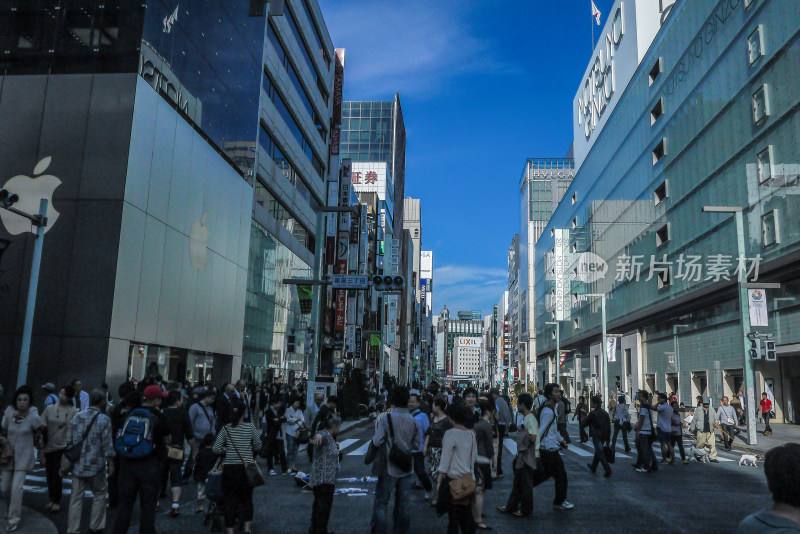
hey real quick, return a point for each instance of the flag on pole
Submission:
(595, 13)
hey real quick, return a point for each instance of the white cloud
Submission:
(468, 287)
(411, 47)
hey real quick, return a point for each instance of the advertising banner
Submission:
(757, 302)
(611, 348)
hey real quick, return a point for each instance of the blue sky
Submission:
(483, 85)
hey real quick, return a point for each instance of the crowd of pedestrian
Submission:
(160, 436)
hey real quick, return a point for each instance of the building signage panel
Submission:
(350, 281)
(561, 282)
(627, 35)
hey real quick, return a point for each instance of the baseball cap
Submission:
(414, 392)
(706, 400)
(49, 386)
(153, 392)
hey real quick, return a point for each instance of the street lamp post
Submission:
(744, 316)
(677, 353)
(604, 347)
(40, 222)
(318, 287)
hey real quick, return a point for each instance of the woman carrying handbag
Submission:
(457, 472)
(240, 474)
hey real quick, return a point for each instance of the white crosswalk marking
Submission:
(361, 451)
(579, 451)
(511, 445)
(346, 443)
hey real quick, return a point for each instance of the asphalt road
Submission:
(696, 497)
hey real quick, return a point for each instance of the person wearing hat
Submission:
(142, 477)
(51, 398)
(703, 424)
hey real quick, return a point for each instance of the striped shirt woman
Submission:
(237, 441)
(244, 437)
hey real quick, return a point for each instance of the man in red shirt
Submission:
(766, 409)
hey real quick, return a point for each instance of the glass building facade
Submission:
(710, 118)
(543, 184)
(375, 132)
(272, 312)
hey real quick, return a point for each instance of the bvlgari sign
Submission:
(626, 37)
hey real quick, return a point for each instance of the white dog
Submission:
(749, 459)
(698, 455)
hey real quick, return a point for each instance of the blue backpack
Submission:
(135, 439)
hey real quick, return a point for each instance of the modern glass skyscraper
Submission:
(542, 186)
(696, 126)
(375, 132)
(189, 156)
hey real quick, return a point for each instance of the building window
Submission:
(574, 223)
(552, 232)
(755, 45)
(660, 194)
(657, 111)
(574, 198)
(748, 3)
(662, 235)
(664, 279)
(764, 165)
(553, 335)
(655, 72)
(576, 324)
(660, 150)
(770, 232)
(574, 248)
(760, 105)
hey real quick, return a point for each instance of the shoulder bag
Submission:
(214, 484)
(463, 488)
(401, 459)
(73, 452)
(254, 476)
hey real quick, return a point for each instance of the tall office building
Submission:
(633, 225)
(514, 308)
(543, 184)
(412, 223)
(466, 324)
(295, 121)
(375, 131)
(172, 215)
(428, 338)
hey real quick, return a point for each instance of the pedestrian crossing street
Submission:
(587, 449)
(36, 482)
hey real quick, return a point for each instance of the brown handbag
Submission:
(462, 488)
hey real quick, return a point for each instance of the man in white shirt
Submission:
(550, 442)
(728, 422)
(81, 399)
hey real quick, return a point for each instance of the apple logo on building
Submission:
(31, 191)
(198, 243)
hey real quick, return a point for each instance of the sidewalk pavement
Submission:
(781, 433)
(33, 521)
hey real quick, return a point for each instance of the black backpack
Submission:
(567, 406)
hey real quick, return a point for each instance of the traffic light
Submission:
(304, 295)
(388, 282)
(291, 344)
(755, 348)
(7, 198)
(771, 353)
(309, 342)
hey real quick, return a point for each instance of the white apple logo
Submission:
(198, 241)
(31, 191)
